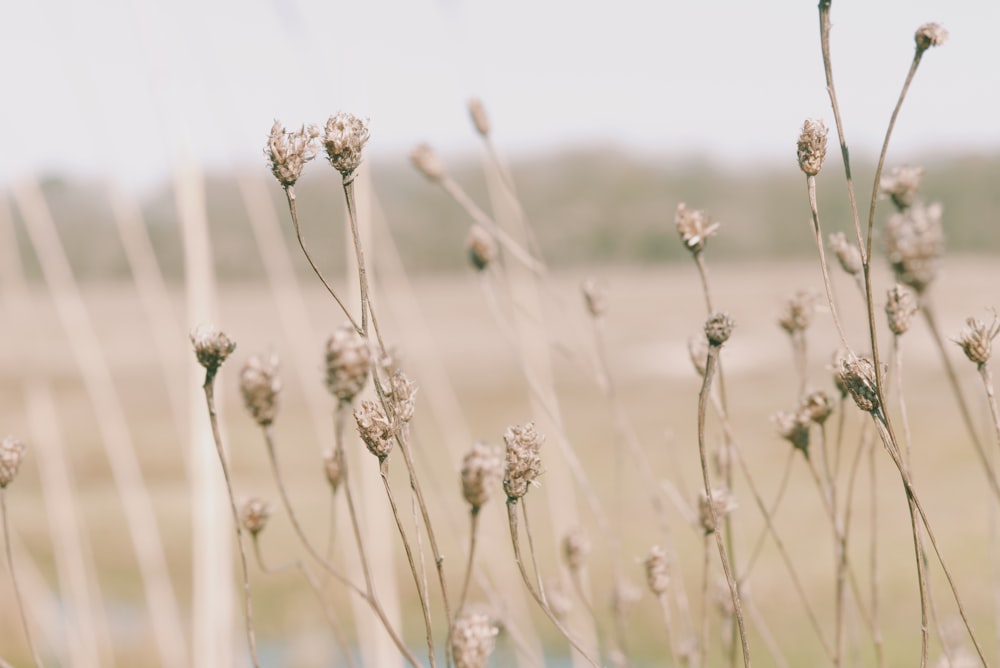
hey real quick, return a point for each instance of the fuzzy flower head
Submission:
(710, 512)
(694, 227)
(976, 339)
(480, 247)
(858, 376)
(288, 152)
(798, 312)
(344, 138)
(930, 34)
(482, 468)
(428, 163)
(522, 464)
(847, 254)
(900, 306)
(718, 328)
(473, 639)
(254, 515)
(811, 147)
(348, 361)
(11, 456)
(375, 428)
(211, 346)
(576, 546)
(901, 185)
(914, 244)
(816, 407)
(260, 385)
(657, 571)
(794, 428)
(401, 393)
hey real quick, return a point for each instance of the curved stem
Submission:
(827, 285)
(13, 577)
(473, 534)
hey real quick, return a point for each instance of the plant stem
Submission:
(13, 578)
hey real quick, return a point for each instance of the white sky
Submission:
(125, 87)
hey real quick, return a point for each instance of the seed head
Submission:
(839, 357)
(11, 456)
(260, 385)
(288, 152)
(595, 296)
(481, 247)
(344, 138)
(479, 116)
(930, 34)
(847, 253)
(798, 312)
(576, 546)
(473, 639)
(401, 393)
(333, 466)
(858, 376)
(694, 227)
(794, 428)
(900, 306)
(816, 406)
(811, 147)
(718, 328)
(901, 185)
(976, 339)
(657, 571)
(522, 464)
(375, 428)
(211, 346)
(482, 468)
(428, 163)
(348, 360)
(914, 243)
(254, 515)
(722, 502)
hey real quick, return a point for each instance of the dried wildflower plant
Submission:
(428, 162)
(211, 346)
(976, 340)
(928, 35)
(344, 139)
(811, 147)
(400, 394)
(710, 512)
(288, 152)
(900, 307)
(816, 406)
(348, 362)
(254, 515)
(858, 376)
(375, 428)
(473, 638)
(901, 185)
(657, 571)
(260, 386)
(522, 464)
(694, 228)
(793, 426)
(482, 469)
(11, 456)
(480, 247)
(798, 312)
(914, 244)
(847, 254)
(718, 329)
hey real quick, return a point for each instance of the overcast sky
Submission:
(125, 87)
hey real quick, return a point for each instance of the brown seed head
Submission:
(401, 393)
(930, 34)
(260, 385)
(576, 546)
(694, 227)
(428, 163)
(473, 639)
(348, 361)
(900, 305)
(722, 502)
(718, 328)
(914, 243)
(11, 456)
(344, 138)
(211, 346)
(288, 152)
(847, 253)
(816, 406)
(481, 247)
(595, 296)
(482, 468)
(794, 428)
(254, 515)
(480, 118)
(976, 339)
(522, 464)
(333, 466)
(375, 428)
(798, 312)
(858, 376)
(901, 185)
(811, 147)
(657, 571)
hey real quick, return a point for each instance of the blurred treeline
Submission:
(590, 207)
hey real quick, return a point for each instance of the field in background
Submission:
(652, 313)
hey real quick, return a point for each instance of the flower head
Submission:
(522, 464)
(473, 639)
(333, 467)
(375, 428)
(11, 456)
(901, 185)
(694, 227)
(254, 515)
(482, 468)
(657, 571)
(710, 512)
(595, 296)
(899, 309)
(481, 247)
(858, 376)
(718, 328)
(211, 346)
(914, 244)
(930, 34)
(480, 119)
(798, 312)
(348, 361)
(344, 138)
(847, 254)
(811, 147)
(260, 385)
(976, 339)
(428, 163)
(576, 546)
(288, 152)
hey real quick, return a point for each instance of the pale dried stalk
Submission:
(991, 397)
(827, 285)
(13, 577)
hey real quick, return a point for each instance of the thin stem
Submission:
(873, 556)
(770, 512)
(705, 565)
(984, 373)
(473, 534)
(827, 285)
(532, 553)
(576, 577)
(13, 578)
(358, 252)
(209, 388)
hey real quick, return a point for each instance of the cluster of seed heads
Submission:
(718, 329)
(11, 456)
(522, 463)
(344, 138)
(976, 340)
(482, 468)
(400, 393)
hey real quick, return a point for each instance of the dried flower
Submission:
(718, 328)
(858, 376)
(401, 393)
(482, 468)
(576, 546)
(348, 360)
(522, 464)
(694, 227)
(657, 571)
(344, 138)
(254, 515)
(722, 503)
(816, 406)
(288, 152)
(798, 313)
(899, 309)
(479, 117)
(930, 34)
(595, 296)
(839, 357)
(428, 163)
(473, 639)
(976, 339)
(698, 352)
(375, 428)
(259, 385)
(11, 456)
(847, 253)
(901, 185)
(333, 466)
(794, 428)
(914, 243)
(811, 147)
(211, 346)
(481, 247)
